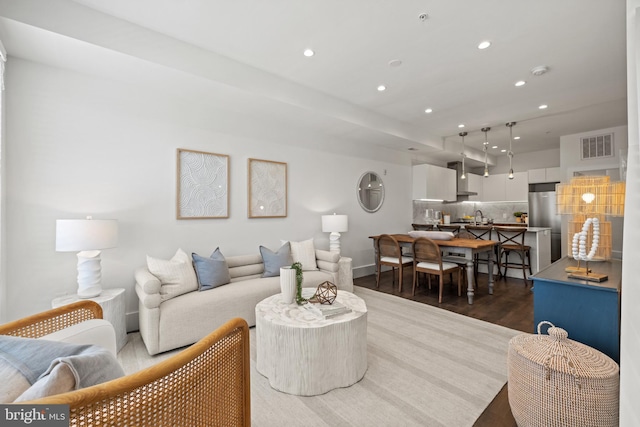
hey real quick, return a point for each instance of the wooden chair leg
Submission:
(459, 282)
(415, 276)
(440, 289)
(378, 276)
(400, 274)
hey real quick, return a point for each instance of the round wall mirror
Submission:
(370, 191)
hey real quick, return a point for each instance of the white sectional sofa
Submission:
(166, 324)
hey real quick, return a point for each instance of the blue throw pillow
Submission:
(211, 272)
(274, 260)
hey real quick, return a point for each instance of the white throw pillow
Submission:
(305, 253)
(176, 275)
(433, 235)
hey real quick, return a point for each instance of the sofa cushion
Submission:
(274, 260)
(305, 253)
(211, 272)
(176, 275)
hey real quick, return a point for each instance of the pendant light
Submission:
(510, 153)
(463, 134)
(484, 148)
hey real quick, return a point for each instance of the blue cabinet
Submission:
(588, 311)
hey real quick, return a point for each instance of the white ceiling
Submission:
(246, 56)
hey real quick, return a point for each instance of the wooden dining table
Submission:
(467, 248)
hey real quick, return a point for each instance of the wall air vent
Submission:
(592, 147)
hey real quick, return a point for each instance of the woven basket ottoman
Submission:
(555, 381)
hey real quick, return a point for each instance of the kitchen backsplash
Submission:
(497, 211)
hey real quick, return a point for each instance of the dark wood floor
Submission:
(511, 305)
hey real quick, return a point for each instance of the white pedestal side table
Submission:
(346, 273)
(113, 310)
(303, 355)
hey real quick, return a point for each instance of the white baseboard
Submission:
(365, 270)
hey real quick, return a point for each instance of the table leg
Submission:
(470, 281)
(490, 266)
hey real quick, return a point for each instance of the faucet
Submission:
(475, 217)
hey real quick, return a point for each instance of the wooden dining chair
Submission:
(388, 253)
(427, 259)
(511, 239)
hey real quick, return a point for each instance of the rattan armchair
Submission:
(206, 384)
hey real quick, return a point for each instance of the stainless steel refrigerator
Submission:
(542, 213)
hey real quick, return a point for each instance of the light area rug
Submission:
(426, 367)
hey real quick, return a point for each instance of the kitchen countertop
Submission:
(504, 224)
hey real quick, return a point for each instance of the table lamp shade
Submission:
(73, 235)
(87, 237)
(334, 223)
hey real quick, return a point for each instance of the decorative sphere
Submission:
(326, 293)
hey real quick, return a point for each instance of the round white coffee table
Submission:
(304, 355)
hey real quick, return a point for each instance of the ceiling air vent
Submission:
(593, 147)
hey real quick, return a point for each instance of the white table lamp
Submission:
(87, 236)
(334, 224)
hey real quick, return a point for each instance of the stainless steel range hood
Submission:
(462, 186)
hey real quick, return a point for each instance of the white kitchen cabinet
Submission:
(475, 185)
(537, 175)
(545, 175)
(434, 182)
(517, 189)
(555, 175)
(499, 188)
(494, 188)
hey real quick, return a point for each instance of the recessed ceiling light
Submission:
(516, 137)
(483, 45)
(460, 125)
(543, 106)
(428, 111)
(308, 52)
(495, 146)
(503, 150)
(381, 88)
(395, 63)
(520, 83)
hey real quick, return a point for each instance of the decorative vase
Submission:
(288, 284)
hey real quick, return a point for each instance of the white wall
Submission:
(80, 145)
(630, 333)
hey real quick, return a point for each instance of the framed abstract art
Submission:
(203, 185)
(267, 191)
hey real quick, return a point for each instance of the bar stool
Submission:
(426, 227)
(511, 239)
(481, 232)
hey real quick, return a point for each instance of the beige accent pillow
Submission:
(305, 253)
(176, 275)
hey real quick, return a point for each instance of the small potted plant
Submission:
(518, 216)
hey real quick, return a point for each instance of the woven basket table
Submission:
(555, 381)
